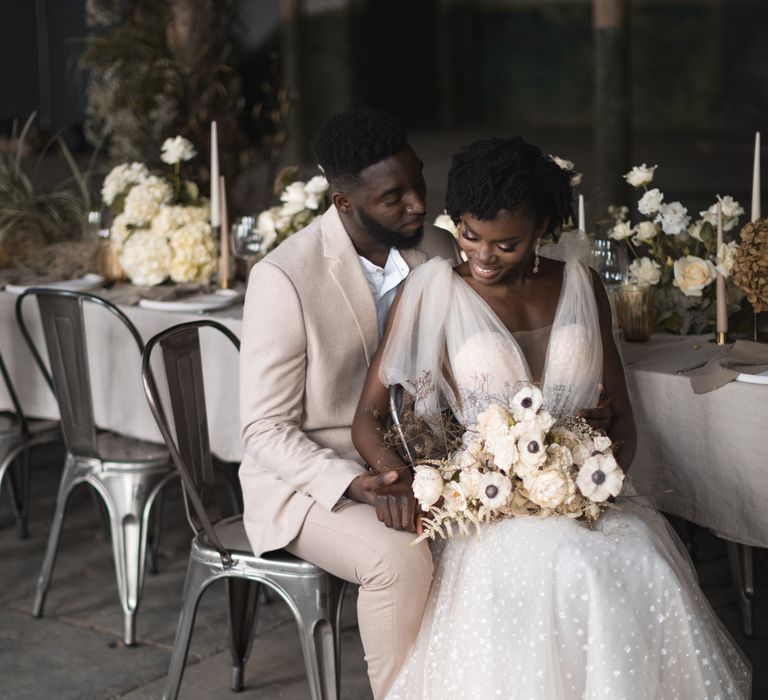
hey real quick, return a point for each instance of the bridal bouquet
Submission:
(161, 229)
(678, 254)
(518, 461)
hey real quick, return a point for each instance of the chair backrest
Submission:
(396, 394)
(61, 314)
(14, 397)
(190, 450)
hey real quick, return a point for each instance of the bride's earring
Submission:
(536, 256)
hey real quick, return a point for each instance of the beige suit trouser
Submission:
(394, 579)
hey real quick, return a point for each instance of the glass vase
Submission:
(635, 304)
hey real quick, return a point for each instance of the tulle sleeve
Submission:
(573, 368)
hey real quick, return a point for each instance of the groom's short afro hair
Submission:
(506, 173)
(351, 141)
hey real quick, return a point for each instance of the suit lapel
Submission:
(347, 273)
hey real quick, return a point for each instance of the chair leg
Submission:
(742, 570)
(69, 478)
(155, 522)
(197, 580)
(243, 598)
(129, 499)
(20, 492)
(318, 616)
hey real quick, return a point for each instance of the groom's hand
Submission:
(396, 505)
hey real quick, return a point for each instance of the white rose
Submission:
(505, 452)
(645, 232)
(446, 222)
(470, 480)
(454, 497)
(731, 211)
(725, 256)
(694, 230)
(602, 443)
(176, 150)
(672, 218)
(526, 403)
(559, 456)
(692, 274)
(494, 489)
(550, 487)
(532, 452)
(645, 271)
(493, 422)
(427, 485)
(294, 198)
(576, 179)
(650, 202)
(640, 175)
(620, 231)
(600, 477)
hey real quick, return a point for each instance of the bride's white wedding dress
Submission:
(546, 609)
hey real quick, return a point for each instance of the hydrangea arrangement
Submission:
(301, 203)
(161, 228)
(678, 254)
(518, 461)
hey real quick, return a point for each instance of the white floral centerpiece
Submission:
(518, 461)
(161, 229)
(677, 254)
(301, 203)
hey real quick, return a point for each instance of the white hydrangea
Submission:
(172, 217)
(176, 150)
(119, 232)
(193, 254)
(146, 258)
(673, 218)
(650, 203)
(120, 178)
(144, 200)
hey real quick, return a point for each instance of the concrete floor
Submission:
(75, 652)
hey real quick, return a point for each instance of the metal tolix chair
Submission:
(126, 473)
(220, 548)
(19, 434)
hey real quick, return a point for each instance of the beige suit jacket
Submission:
(309, 333)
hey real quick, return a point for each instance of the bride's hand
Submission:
(601, 416)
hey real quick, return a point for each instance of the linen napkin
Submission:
(744, 357)
(130, 295)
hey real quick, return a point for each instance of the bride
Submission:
(529, 608)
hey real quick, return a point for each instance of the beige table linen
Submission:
(700, 456)
(115, 366)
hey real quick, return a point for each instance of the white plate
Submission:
(219, 299)
(81, 284)
(761, 378)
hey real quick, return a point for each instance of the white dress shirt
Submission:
(383, 282)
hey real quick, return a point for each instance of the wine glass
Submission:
(246, 240)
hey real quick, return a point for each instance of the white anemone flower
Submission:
(526, 403)
(532, 452)
(494, 490)
(600, 477)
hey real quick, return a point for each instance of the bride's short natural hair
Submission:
(495, 174)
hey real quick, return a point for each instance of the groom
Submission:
(314, 313)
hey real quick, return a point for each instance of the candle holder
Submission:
(636, 311)
(721, 338)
